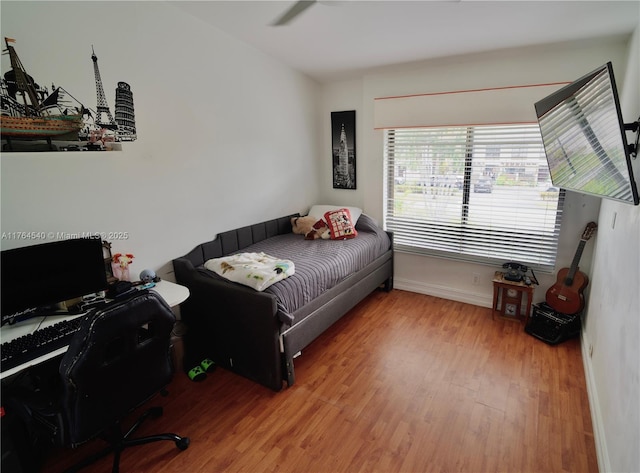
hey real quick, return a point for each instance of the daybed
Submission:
(257, 333)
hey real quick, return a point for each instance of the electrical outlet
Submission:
(476, 279)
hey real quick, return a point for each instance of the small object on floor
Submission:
(197, 374)
(208, 365)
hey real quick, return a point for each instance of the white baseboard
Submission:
(444, 292)
(602, 453)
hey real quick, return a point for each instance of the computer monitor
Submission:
(43, 275)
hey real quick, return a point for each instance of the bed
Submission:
(257, 334)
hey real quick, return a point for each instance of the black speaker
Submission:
(551, 326)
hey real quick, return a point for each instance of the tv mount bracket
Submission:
(634, 127)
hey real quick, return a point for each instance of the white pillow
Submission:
(318, 211)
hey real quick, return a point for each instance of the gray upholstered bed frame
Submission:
(242, 326)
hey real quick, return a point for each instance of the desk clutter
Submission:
(38, 335)
(47, 339)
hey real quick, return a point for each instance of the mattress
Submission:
(319, 264)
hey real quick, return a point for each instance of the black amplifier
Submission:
(551, 326)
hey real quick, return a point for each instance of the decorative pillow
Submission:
(340, 224)
(318, 211)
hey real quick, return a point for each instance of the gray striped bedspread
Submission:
(319, 264)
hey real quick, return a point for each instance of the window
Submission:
(473, 193)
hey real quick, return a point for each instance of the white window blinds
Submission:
(474, 193)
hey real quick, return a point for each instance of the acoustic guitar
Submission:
(566, 295)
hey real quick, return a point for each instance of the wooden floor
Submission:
(404, 383)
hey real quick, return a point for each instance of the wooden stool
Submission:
(509, 298)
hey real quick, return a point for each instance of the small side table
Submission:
(509, 298)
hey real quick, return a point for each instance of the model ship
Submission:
(29, 112)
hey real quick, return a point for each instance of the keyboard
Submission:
(29, 347)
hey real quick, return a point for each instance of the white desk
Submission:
(172, 293)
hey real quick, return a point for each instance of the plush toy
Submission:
(311, 228)
(120, 266)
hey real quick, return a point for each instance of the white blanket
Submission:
(256, 270)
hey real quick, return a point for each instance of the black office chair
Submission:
(118, 360)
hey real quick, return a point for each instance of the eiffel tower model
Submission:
(103, 108)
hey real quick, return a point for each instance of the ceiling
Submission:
(338, 39)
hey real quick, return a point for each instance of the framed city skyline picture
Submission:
(343, 147)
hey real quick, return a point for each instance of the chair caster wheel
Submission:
(183, 443)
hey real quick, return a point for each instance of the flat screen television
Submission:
(41, 276)
(584, 138)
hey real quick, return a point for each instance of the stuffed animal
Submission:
(120, 266)
(311, 228)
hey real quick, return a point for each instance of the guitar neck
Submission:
(574, 264)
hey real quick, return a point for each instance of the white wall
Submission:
(227, 136)
(612, 325)
(337, 97)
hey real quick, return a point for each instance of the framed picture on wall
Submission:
(343, 147)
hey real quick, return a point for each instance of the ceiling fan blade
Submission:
(294, 11)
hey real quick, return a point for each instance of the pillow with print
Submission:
(340, 224)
